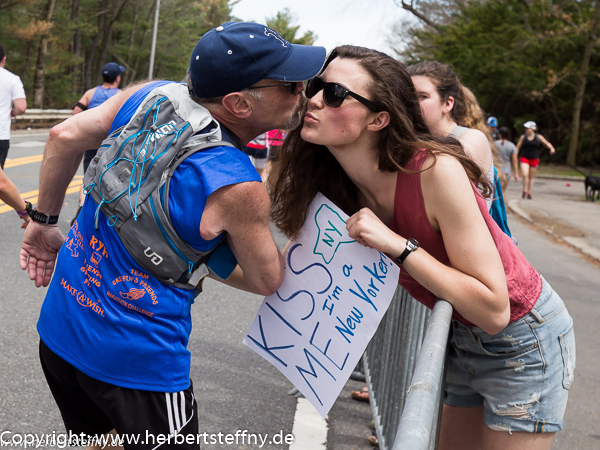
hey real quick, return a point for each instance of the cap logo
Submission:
(276, 35)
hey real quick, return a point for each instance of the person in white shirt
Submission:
(12, 103)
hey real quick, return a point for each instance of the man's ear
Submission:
(238, 105)
(448, 105)
(380, 121)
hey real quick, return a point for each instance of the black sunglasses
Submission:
(293, 86)
(334, 94)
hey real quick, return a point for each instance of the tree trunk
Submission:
(130, 74)
(526, 23)
(76, 46)
(587, 54)
(38, 82)
(144, 68)
(90, 68)
(106, 34)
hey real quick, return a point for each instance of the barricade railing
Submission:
(406, 407)
(44, 114)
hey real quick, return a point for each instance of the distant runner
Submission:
(528, 149)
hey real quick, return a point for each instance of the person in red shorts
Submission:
(528, 149)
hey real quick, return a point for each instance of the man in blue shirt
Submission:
(113, 337)
(111, 75)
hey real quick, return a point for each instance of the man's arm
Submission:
(63, 152)
(242, 210)
(66, 144)
(84, 100)
(19, 107)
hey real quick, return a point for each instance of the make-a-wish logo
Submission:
(76, 242)
(133, 294)
(276, 35)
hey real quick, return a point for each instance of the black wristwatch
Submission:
(40, 217)
(411, 246)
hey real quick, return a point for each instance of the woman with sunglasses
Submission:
(365, 145)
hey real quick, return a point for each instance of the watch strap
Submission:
(23, 213)
(40, 217)
(411, 246)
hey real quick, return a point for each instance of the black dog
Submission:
(592, 187)
(592, 184)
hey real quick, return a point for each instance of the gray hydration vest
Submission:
(130, 175)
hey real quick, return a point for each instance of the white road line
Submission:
(309, 430)
(24, 144)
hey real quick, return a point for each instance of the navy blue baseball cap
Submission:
(112, 70)
(236, 55)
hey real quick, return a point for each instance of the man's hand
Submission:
(40, 247)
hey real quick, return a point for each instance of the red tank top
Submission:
(410, 221)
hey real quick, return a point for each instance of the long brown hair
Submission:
(305, 168)
(466, 111)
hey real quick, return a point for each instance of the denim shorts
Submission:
(521, 375)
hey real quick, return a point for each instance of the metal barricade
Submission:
(405, 407)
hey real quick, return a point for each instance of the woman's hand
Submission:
(369, 230)
(26, 220)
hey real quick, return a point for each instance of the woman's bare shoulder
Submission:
(442, 167)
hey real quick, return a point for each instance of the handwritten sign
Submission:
(315, 328)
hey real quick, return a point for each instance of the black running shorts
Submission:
(145, 420)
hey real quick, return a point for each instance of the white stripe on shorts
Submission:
(176, 412)
(169, 413)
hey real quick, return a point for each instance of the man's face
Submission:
(278, 107)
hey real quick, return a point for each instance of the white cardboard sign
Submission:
(315, 328)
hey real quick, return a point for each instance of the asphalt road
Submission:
(237, 389)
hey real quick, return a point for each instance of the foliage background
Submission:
(521, 58)
(83, 35)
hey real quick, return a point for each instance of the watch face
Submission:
(412, 245)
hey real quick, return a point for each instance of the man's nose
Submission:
(299, 87)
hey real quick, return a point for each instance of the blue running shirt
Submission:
(101, 95)
(107, 317)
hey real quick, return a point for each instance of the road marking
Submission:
(24, 144)
(21, 161)
(309, 429)
(32, 196)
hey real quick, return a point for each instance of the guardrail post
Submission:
(423, 400)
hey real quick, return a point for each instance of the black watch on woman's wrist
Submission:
(411, 246)
(40, 217)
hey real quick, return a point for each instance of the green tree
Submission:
(283, 23)
(79, 36)
(523, 59)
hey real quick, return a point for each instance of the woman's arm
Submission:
(515, 163)
(475, 285)
(544, 141)
(519, 144)
(10, 195)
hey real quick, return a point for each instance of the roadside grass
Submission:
(560, 169)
